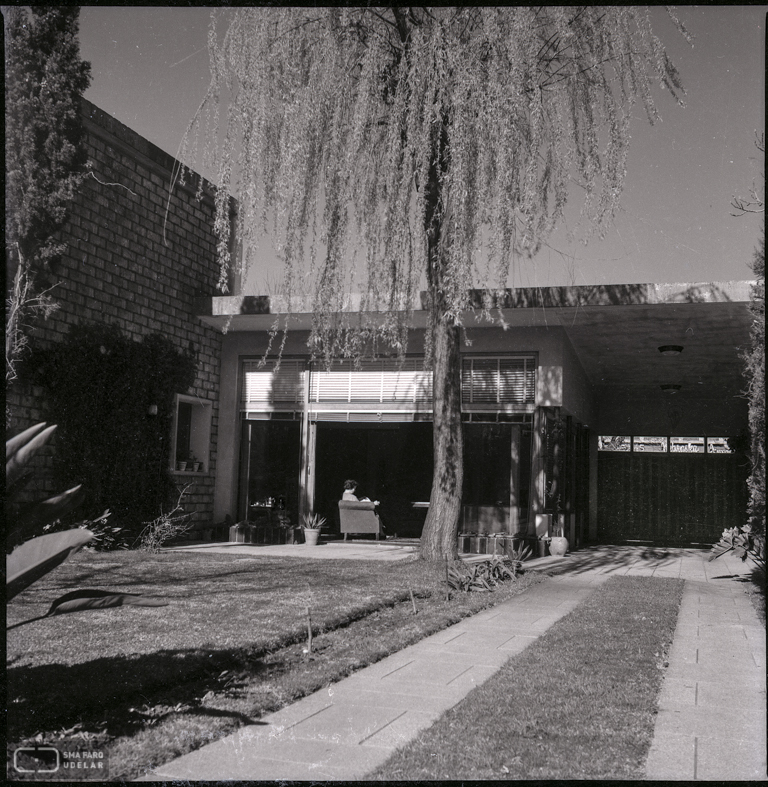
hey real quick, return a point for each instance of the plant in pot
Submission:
(558, 546)
(311, 524)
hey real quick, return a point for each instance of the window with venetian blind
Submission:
(381, 381)
(267, 386)
(487, 383)
(501, 381)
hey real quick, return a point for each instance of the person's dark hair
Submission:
(350, 484)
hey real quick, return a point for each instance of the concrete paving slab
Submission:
(728, 759)
(429, 701)
(417, 691)
(347, 724)
(743, 723)
(746, 695)
(403, 729)
(675, 761)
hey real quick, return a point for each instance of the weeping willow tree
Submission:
(392, 149)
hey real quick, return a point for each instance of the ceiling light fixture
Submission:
(670, 388)
(670, 349)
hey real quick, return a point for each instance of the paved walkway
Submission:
(711, 723)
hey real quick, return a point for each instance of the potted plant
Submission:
(558, 546)
(312, 523)
(193, 463)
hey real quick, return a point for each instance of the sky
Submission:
(150, 71)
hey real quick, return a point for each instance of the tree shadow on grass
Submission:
(54, 696)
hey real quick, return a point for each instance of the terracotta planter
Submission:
(311, 536)
(558, 546)
(541, 548)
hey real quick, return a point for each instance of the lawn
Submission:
(578, 703)
(156, 682)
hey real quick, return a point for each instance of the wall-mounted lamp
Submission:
(670, 388)
(152, 410)
(670, 349)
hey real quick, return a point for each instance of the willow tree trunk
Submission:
(439, 538)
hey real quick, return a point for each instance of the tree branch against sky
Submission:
(390, 147)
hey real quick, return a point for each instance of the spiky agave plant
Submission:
(32, 558)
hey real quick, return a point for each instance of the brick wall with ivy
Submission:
(136, 258)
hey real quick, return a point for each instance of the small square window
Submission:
(686, 445)
(614, 443)
(191, 435)
(718, 445)
(649, 445)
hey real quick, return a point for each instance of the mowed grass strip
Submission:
(154, 683)
(579, 703)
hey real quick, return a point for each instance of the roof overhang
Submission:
(616, 330)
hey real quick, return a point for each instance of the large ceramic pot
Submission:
(311, 536)
(558, 546)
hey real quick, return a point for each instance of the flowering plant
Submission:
(743, 542)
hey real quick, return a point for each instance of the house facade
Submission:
(614, 410)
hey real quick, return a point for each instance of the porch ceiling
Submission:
(618, 347)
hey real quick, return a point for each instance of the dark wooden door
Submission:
(669, 498)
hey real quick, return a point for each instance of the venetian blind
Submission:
(486, 381)
(264, 386)
(378, 381)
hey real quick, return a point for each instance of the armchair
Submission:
(359, 517)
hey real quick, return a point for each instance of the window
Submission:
(718, 445)
(264, 386)
(675, 445)
(614, 443)
(191, 434)
(498, 381)
(648, 445)
(686, 445)
(381, 381)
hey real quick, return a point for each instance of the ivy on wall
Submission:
(103, 388)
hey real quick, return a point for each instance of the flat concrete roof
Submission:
(258, 312)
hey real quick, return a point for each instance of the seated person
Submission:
(350, 487)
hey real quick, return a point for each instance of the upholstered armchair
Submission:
(359, 517)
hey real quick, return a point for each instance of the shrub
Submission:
(100, 385)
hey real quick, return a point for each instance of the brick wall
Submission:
(137, 259)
